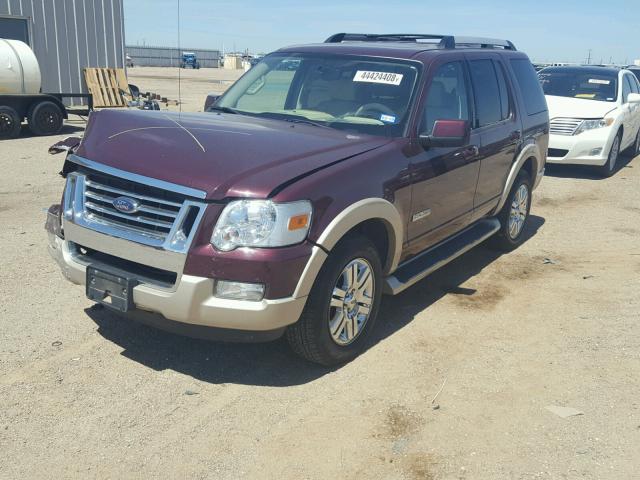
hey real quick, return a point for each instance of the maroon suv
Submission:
(327, 175)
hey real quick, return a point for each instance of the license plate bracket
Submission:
(111, 288)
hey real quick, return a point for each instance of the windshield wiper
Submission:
(305, 121)
(215, 108)
(291, 118)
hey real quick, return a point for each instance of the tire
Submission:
(514, 215)
(634, 151)
(311, 336)
(609, 168)
(45, 118)
(10, 123)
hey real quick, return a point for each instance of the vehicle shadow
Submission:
(273, 364)
(584, 172)
(67, 129)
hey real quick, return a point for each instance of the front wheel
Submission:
(635, 149)
(341, 310)
(514, 215)
(609, 168)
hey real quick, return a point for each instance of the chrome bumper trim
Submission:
(134, 177)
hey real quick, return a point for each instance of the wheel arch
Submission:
(375, 218)
(532, 161)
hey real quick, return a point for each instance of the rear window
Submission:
(532, 93)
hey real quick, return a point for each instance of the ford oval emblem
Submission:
(126, 204)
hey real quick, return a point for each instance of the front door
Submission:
(444, 179)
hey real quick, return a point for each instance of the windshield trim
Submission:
(411, 102)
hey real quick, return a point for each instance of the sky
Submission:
(547, 30)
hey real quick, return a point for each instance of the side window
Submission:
(626, 88)
(635, 86)
(486, 92)
(504, 91)
(447, 97)
(529, 86)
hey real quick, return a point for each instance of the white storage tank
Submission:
(19, 70)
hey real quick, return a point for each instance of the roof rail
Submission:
(446, 41)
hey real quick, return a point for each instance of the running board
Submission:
(439, 255)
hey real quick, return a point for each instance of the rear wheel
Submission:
(10, 123)
(514, 215)
(45, 118)
(609, 168)
(343, 304)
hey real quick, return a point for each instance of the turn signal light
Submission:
(298, 222)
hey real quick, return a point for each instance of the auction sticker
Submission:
(378, 77)
(599, 81)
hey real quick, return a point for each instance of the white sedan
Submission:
(595, 114)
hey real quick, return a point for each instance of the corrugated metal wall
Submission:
(68, 35)
(170, 57)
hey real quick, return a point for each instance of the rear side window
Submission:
(504, 92)
(486, 91)
(532, 93)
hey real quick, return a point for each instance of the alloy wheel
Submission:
(351, 301)
(613, 155)
(518, 212)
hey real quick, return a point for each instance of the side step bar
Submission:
(439, 255)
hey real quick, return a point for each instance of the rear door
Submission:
(631, 121)
(497, 125)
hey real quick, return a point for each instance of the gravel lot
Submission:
(84, 394)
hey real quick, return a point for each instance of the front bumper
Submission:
(189, 301)
(588, 148)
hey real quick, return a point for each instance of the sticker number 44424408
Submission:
(378, 77)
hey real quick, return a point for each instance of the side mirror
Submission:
(210, 100)
(447, 133)
(135, 91)
(633, 98)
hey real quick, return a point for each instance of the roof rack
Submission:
(446, 41)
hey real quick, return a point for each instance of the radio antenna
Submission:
(179, 60)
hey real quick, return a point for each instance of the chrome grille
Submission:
(166, 215)
(155, 216)
(564, 126)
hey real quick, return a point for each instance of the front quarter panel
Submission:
(372, 185)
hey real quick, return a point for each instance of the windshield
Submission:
(587, 85)
(363, 94)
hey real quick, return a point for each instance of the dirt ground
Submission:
(194, 84)
(84, 394)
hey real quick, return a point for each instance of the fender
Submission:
(529, 151)
(353, 215)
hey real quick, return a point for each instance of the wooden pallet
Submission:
(108, 86)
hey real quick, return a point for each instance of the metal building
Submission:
(170, 56)
(66, 36)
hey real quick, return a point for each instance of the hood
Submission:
(568, 107)
(225, 155)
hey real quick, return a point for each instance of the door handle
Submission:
(515, 135)
(471, 152)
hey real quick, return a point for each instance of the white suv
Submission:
(595, 114)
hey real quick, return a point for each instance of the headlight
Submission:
(261, 223)
(592, 124)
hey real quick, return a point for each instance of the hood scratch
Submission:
(188, 132)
